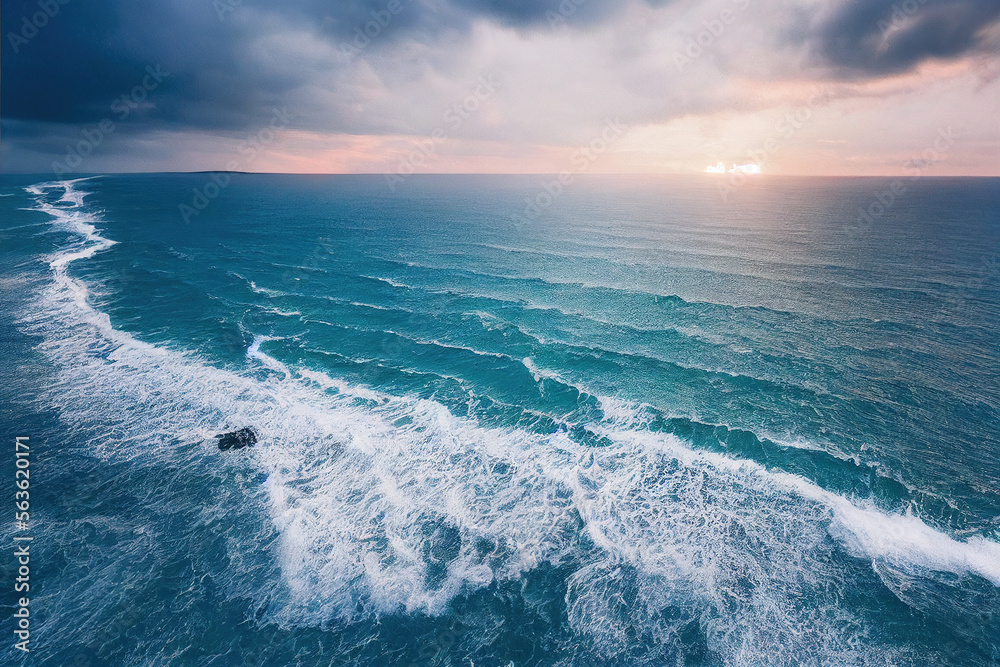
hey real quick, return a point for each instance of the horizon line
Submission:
(485, 173)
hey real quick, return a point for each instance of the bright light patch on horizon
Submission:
(719, 168)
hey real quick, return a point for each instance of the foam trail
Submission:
(265, 291)
(389, 281)
(326, 382)
(540, 374)
(865, 531)
(253, 351)
(78, 221)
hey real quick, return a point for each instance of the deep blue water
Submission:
(650, 426)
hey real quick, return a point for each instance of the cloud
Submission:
(90, 53)
(229, 68)
(864, 38)
(393, 67)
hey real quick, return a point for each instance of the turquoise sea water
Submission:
(649, 426)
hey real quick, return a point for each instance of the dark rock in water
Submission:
(245, 437)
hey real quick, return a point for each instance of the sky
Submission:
(801, 87)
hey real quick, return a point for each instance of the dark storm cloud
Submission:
(876, 37)
(89, 54)
(525, 13)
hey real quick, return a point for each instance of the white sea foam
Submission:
(326, 382)
(450, 346)
(540, 374)
(259, 290)
(283, 313)
(389, 281)
(394, 504)
(254, 353)
(265, 291)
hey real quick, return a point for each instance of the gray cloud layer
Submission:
(225, 73)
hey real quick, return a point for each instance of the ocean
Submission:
(633, 420)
